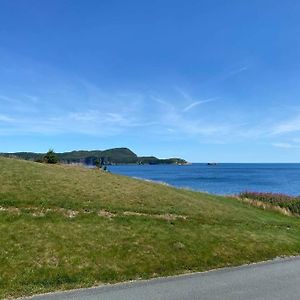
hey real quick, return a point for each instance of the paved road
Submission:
(279, 279)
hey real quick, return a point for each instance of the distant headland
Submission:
(113, 156)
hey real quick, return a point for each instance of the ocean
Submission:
(222, 179)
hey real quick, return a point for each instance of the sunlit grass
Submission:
(65, 227)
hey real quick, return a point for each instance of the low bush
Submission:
(276, 199)
(50, 157)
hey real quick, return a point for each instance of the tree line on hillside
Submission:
(95, 157)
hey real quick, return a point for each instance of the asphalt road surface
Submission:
(279, 279)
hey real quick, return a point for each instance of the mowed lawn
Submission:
(65, 227)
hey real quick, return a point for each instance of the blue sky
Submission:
(203, 80)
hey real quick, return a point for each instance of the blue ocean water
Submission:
(223, 179)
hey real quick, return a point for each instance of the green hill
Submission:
(64, 227)
(110, 156)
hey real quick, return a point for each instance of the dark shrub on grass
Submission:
(50, 157)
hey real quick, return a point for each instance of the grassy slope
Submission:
(43, 250)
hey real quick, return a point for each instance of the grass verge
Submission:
(66, 227)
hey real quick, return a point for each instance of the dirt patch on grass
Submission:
(12, 210)
(106, 214)
(167, 217)
(40, 212)
(70, 213)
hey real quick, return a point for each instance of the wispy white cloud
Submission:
(160, 101)
(289, 126)
(183, 93)
(64, 103)
(101, 113)
(180, 125)
(8, 99)
(197, 103)
(32, 98)
(237, 71)
(287, 145)
(232, 73)
(77, 106)
(20, 103)
(283, 145)
(4, 118)
(296, 140)
(173, 119)
(193, 102)
(87, 116)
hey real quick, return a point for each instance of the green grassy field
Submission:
(64, 227)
